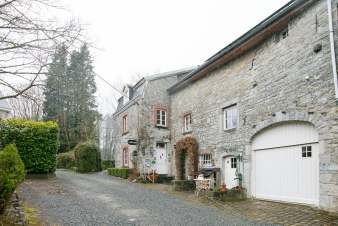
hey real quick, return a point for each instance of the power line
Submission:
(114, 88)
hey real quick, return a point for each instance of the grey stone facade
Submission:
(277, 81)
(149, 94)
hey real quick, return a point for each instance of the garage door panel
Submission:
(284, 174)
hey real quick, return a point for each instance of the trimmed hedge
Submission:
(65, 160)
(12, 172)
(105, 164)
(87, 158)
(119, 172)
(37, 143)
(183, 185)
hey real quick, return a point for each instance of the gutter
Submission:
(294, 4)
(333, 51)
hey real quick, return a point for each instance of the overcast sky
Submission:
(137, 38)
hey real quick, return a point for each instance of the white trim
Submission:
(230, 110)
(162, 112)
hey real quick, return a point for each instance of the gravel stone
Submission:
(98, 199)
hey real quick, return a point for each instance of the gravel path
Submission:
(98, 199)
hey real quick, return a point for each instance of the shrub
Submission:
(37, 143)
(87, 158)
(183, 185)
(12, 171)
(119, 172)
(65, 160)
(105, 164)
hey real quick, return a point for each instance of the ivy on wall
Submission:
(189, 147)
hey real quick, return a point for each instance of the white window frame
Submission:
(230, 117)
(205, 160)
(187, 123)
(160, 113)
(125, 123)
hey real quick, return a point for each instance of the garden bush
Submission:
(12, 171)
(65, 160)
(87, 158)
(105, 164)
(37, 143)
(119, 172)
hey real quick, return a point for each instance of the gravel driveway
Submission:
(98, 199)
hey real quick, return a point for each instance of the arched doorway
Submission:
(286, 163)
(186, 158)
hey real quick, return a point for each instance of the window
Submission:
(307, 151)
(125, 123)
(205, 160)
(233, 163)
(281, 35)
(230, 117)
(285, 33)
(160, 145)
(187, 123)
(125, 157)
(161, 118)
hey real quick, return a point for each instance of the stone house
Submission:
(5, 109)
(142, 117)
(263, 110)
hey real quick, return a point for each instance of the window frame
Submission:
(162, 112)
(125, 157)
(205, 160)
(225, 113)
(125, 124)
(233, 162)
(187, 118)
(307, 151)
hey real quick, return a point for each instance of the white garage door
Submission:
(286, 164)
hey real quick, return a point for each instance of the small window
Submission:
(281, 35)
(125, 157)
(230, 117)
(307, 151)
(125, 124)
(161, 118)
(285, 33)
(234, 163)
(160, 145)
(205, 160)
(187, 123)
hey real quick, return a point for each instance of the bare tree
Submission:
(28, 38)
(28, 106)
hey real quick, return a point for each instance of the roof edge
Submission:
(275, 17)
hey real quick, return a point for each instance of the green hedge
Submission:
(12, 171)
(65, 160)
(37, 143)
(105, 164)
(119, 172)
(87, 158)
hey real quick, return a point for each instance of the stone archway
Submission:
(187, 146)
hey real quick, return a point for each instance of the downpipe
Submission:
(333, 51)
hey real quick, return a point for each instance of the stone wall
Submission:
(141, 122)
(275, 82)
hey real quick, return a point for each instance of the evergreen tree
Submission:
(83, 88)
(70, 97)
(56, 94)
